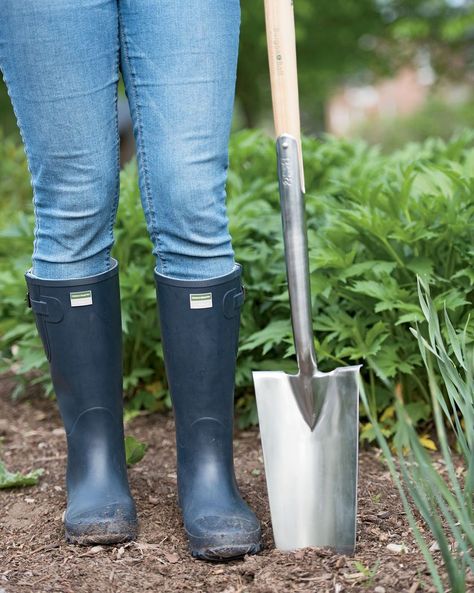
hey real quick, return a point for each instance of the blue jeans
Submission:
(60, 60)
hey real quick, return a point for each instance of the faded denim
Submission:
(60, 60)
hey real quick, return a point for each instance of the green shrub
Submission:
(15, 187)
(143, 360)
(441, 489)
(374, 223)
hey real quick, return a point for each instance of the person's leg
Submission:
(60, 61)
(179, 65)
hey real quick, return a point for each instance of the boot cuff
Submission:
(113, 271)
(237, 271)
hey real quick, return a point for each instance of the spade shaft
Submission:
(297, 265)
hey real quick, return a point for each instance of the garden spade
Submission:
(309, 420)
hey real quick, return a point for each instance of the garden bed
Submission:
(35, 557)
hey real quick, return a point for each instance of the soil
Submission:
(35, 557)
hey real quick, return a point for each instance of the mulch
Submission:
(35, 557)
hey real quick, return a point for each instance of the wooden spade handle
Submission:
(281, 43)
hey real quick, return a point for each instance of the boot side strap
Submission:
(233, 300)
(49, 307)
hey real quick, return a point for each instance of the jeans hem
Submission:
(92, 279)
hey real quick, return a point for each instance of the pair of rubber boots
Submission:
(79, 322)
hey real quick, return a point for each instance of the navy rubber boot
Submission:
(79, 323)
(200, 321)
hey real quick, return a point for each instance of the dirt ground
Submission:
(35, 557)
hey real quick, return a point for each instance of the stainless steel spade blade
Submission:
(308, 421)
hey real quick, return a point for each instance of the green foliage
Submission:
(441, 27)
(374, 223)
(369, 573)
(143, 356)
(335, 39)
(18, 480)
(143, 359)
(441, 489)
(15, 187)
(134, 450)
(355, 40)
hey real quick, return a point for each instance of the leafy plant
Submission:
(18, 480)
(143, 360)
(143, 356)
(134, 450)
(374, 223)
(441, 489)
(15, 187)
(369, 573)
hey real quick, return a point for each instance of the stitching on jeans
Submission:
(113, 213)
(28, 164)
(141, 153)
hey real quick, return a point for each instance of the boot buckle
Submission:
(232, 301)
(48, 307)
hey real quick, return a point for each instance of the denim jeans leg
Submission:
(179, 64)
(59, 59)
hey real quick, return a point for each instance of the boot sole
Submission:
(95, 535)
(89, 540)
(225, 554)
(206, 549)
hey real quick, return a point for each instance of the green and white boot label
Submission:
(81, 299)
(202, 300)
